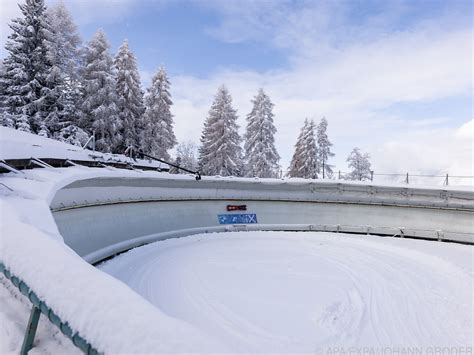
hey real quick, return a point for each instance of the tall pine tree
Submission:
(6, 118)
(261, 156)
(26, 69)
(99, 109)
(63, 44)
(311, 166)
(324, 148)
(304, 163)
(130, 98)
(296, 165)
(220, 152)
(158, 134)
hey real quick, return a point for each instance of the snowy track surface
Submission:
(300, 292)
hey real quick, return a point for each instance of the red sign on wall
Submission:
(236, 207)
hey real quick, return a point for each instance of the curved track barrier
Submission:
(101, 217)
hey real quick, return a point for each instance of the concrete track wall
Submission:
(100, 217)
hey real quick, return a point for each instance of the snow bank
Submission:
(14, 315)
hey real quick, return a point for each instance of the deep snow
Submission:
(300, 292)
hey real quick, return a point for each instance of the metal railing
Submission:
(407, 178)
(39, 307)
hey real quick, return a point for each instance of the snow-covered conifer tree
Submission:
(220, 152)
(261, 156)
(158, 134)
(130, 98)
(305, 162)
(65, 41)
(324, 148)
(296, 165)
(26, 68)
(6, 118)
(360, 165)
(99, 109)
(62, 43)
(311, 166)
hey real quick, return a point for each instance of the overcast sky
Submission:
(392, 77)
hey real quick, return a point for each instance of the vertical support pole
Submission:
(440, 235)
(446, 182)
(371, 175)
(406, 179)
(323, 170)
(339, 175)
(30, 330)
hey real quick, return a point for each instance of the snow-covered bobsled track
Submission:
(100, 217)
(279, 290)
(299, 292)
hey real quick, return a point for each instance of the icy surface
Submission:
(299, 292)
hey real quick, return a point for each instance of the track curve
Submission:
(299, 292)
(102, 216)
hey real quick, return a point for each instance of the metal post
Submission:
(406, 179)
(91, 140)
(323, 170)
(129, 152)
(30, 330)
(446, 182)
(339, 175)
(371, 175)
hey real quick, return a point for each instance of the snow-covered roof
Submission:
(17, 145)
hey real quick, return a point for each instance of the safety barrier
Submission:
(104, 216)
(40, 307)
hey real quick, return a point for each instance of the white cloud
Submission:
(350, 89)
(434, 151)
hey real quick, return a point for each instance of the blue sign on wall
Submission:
(246, 218)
